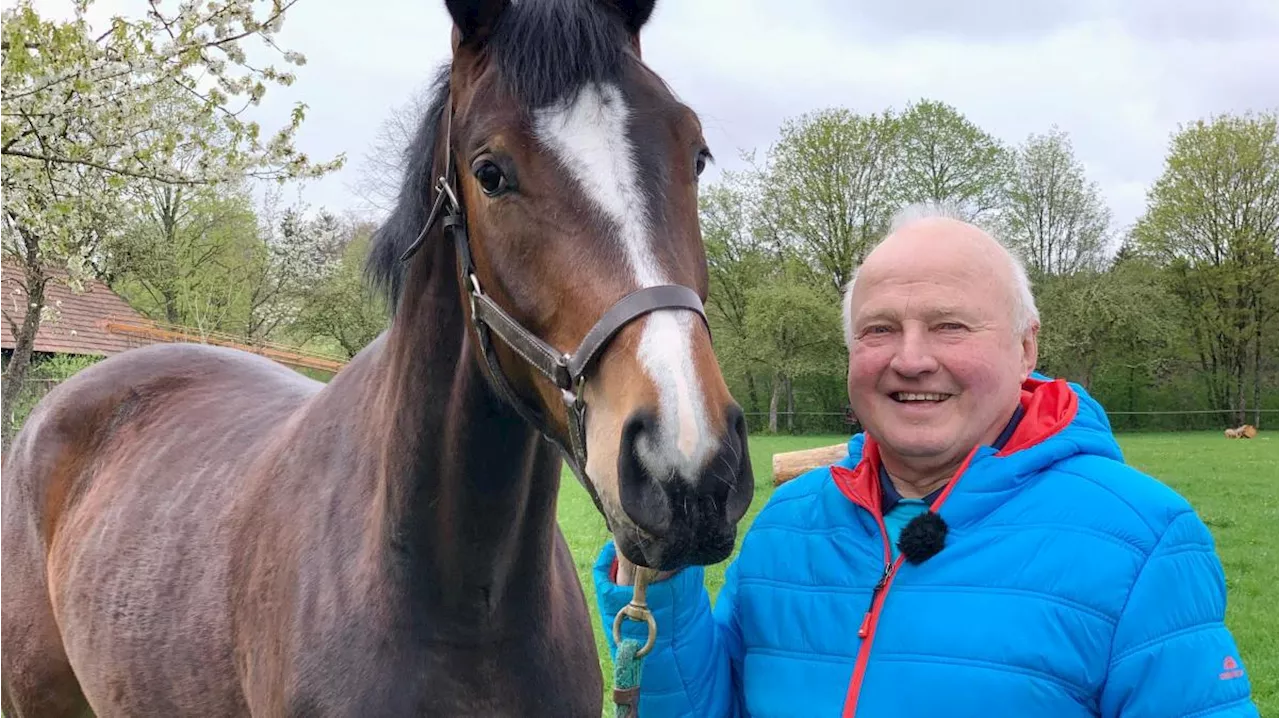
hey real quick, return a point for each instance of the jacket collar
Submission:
(889, 496)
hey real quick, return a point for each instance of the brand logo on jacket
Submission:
(1230, 669)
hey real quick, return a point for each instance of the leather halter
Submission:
(568, 372)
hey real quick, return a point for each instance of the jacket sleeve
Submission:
(1172, 654)
(689, 672)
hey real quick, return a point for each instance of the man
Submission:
(982, 551)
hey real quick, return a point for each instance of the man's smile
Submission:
(914, 397)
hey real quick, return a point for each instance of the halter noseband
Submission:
(567, 371)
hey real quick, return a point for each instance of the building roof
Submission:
(76, 321)
(98, 321)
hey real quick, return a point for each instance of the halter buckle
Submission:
(472, 293)
(443, 186)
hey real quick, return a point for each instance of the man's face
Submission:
(935, 365)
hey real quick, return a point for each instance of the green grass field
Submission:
(1232, 484)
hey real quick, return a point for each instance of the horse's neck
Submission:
(467, 490)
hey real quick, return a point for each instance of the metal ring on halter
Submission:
(638, 610)
(640, 614)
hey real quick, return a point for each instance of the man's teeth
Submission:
(909, 396)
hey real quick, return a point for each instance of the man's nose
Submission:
(915, 353)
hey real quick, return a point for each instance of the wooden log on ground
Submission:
(1248, 431)
(790, 464)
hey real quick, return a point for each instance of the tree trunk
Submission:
(1241, 367)
(1132, 399)
(1242, 338)
(1257, 364)
(790, 464)
(753, 395)
(171, 309)
(773, 404)
(24, 342)
(791, 407)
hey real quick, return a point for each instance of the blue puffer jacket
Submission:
(1069, 585)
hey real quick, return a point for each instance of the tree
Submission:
(87, 114)
(340, 307)
(1122, 317)
(296, 255)
(382, 170)
(739, 259)
(1211, 217)
(945, 158)
(1052, 214)
(179, 257)
(795, 327)
(829, 188)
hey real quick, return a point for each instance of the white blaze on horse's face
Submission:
(589, 137)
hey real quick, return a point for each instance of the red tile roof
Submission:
(75, 322)
(97, 321)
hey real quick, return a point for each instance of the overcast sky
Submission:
(1117, 75)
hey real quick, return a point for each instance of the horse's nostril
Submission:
(718, 494)
(728, 478)
(745, 485)
(642, 495)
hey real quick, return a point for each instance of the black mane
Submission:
(544, 53)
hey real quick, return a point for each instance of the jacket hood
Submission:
(1060, 421)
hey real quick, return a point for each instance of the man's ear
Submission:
(473, 20)
(1030, 350)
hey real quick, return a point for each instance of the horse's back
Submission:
(117, 495)
(158, 401)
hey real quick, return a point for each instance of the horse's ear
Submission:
(473, 20)
(635, 13)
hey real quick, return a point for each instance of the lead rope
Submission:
(629, 661)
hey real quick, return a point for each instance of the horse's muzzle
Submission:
(686, 519)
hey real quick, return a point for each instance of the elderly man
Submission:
(983, 550)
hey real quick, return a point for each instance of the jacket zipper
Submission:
(867, 630)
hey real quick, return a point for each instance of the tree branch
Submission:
(105, 168)
(247, 33)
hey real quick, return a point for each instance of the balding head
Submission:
(942, 330)
(935, 234)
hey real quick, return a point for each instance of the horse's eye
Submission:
(704, 156)
(492, 180)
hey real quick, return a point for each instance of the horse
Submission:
(191, 530)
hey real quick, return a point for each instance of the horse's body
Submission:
(263, 553)
(191, 531)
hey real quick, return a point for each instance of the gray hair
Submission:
(1025, 313)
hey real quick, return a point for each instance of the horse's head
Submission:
(576, 171)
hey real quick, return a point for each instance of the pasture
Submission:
(1232, 484)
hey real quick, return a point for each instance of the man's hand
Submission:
(627, 571)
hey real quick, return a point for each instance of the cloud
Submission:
(1118, 77)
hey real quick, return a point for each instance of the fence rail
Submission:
(148, 331)
(835, 422)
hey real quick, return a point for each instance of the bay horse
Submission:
(195, 531)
